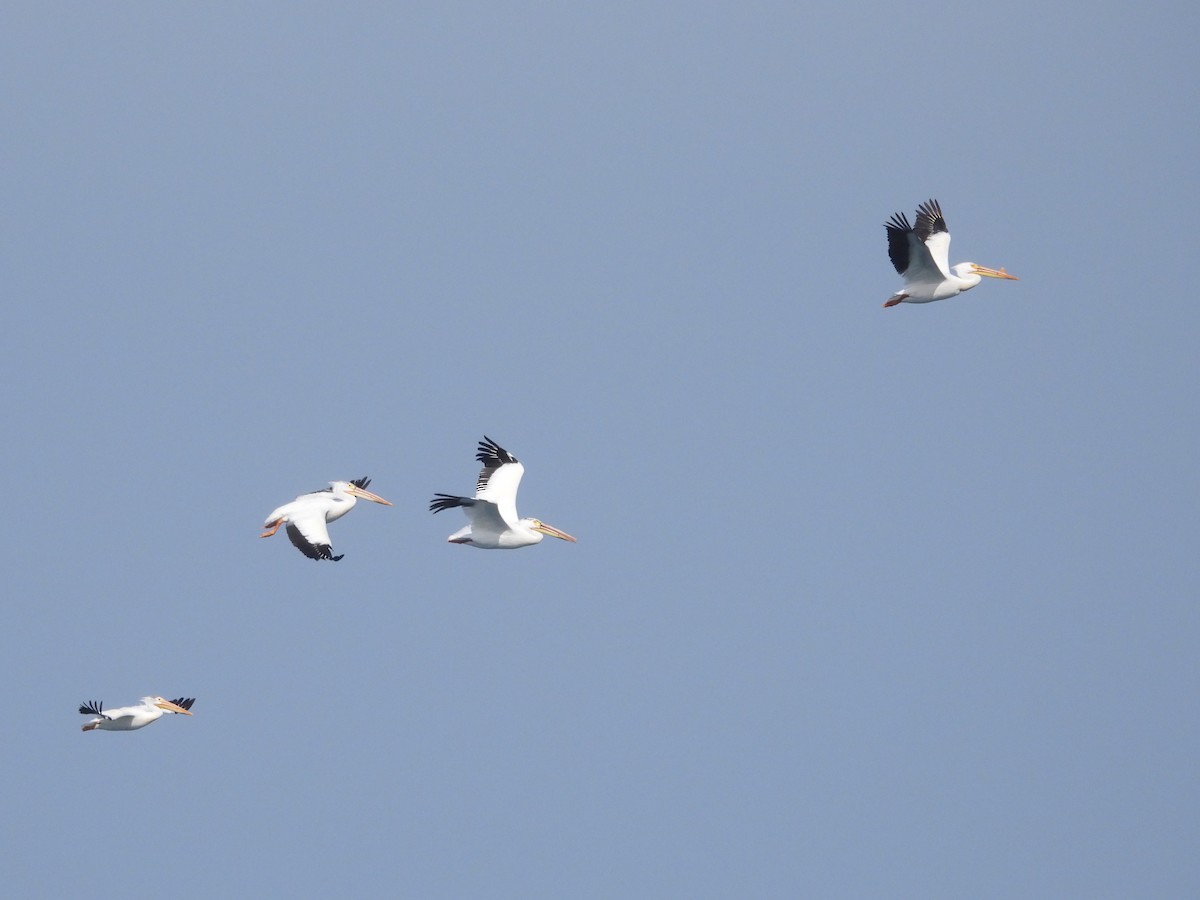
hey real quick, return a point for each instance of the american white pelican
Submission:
(127, 718)
(920, 255)
(307, 514)
(493, 512)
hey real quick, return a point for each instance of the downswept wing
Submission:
(483, 515)
(310, 536)
(121, 716)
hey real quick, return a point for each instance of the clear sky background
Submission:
(865, 602)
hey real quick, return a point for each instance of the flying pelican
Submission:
(307, 514)
(127, 718)
(920, 255)
(493, 512)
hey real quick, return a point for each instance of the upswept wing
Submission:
(185, 702)
(900, 242)
(920, 253)
(93, 708)
(931, 231)
(497, 484)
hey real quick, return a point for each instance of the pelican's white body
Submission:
(921, 254)
(488, 531)
(320, 506)
(307, 516)
(924, 286)
(130, 718)
(495, 524)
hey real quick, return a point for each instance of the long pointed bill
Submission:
(366, 495)
(171, 707)
(553, 532)
(995, 273)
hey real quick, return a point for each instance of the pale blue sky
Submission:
(865, 602)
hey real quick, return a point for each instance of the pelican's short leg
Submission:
(274, 528)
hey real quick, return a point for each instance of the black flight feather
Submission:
(929, 220)
(312, 551)
(448, 501)
(492, 454)
(898, 231)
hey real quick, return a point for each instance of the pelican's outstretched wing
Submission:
(484, 515)
(498, 482)
(920, 253)
(931, 231)
(901, 242)
(310, 535)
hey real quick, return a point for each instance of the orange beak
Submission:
(553, 532)
(366, 495)
(995, 273)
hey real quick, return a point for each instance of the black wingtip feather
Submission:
(92, 708)
(492, 454)
(448, 501)
(185, 702)
(898, 231)
(929, 220)
(361, 483)
(312, 551)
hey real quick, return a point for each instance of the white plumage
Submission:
(307, 515)
(920, 254)
(130, 718)
(493, 511)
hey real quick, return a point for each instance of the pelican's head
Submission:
(358, 489)
(541, 527)
(166, 705)
(985, 271)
